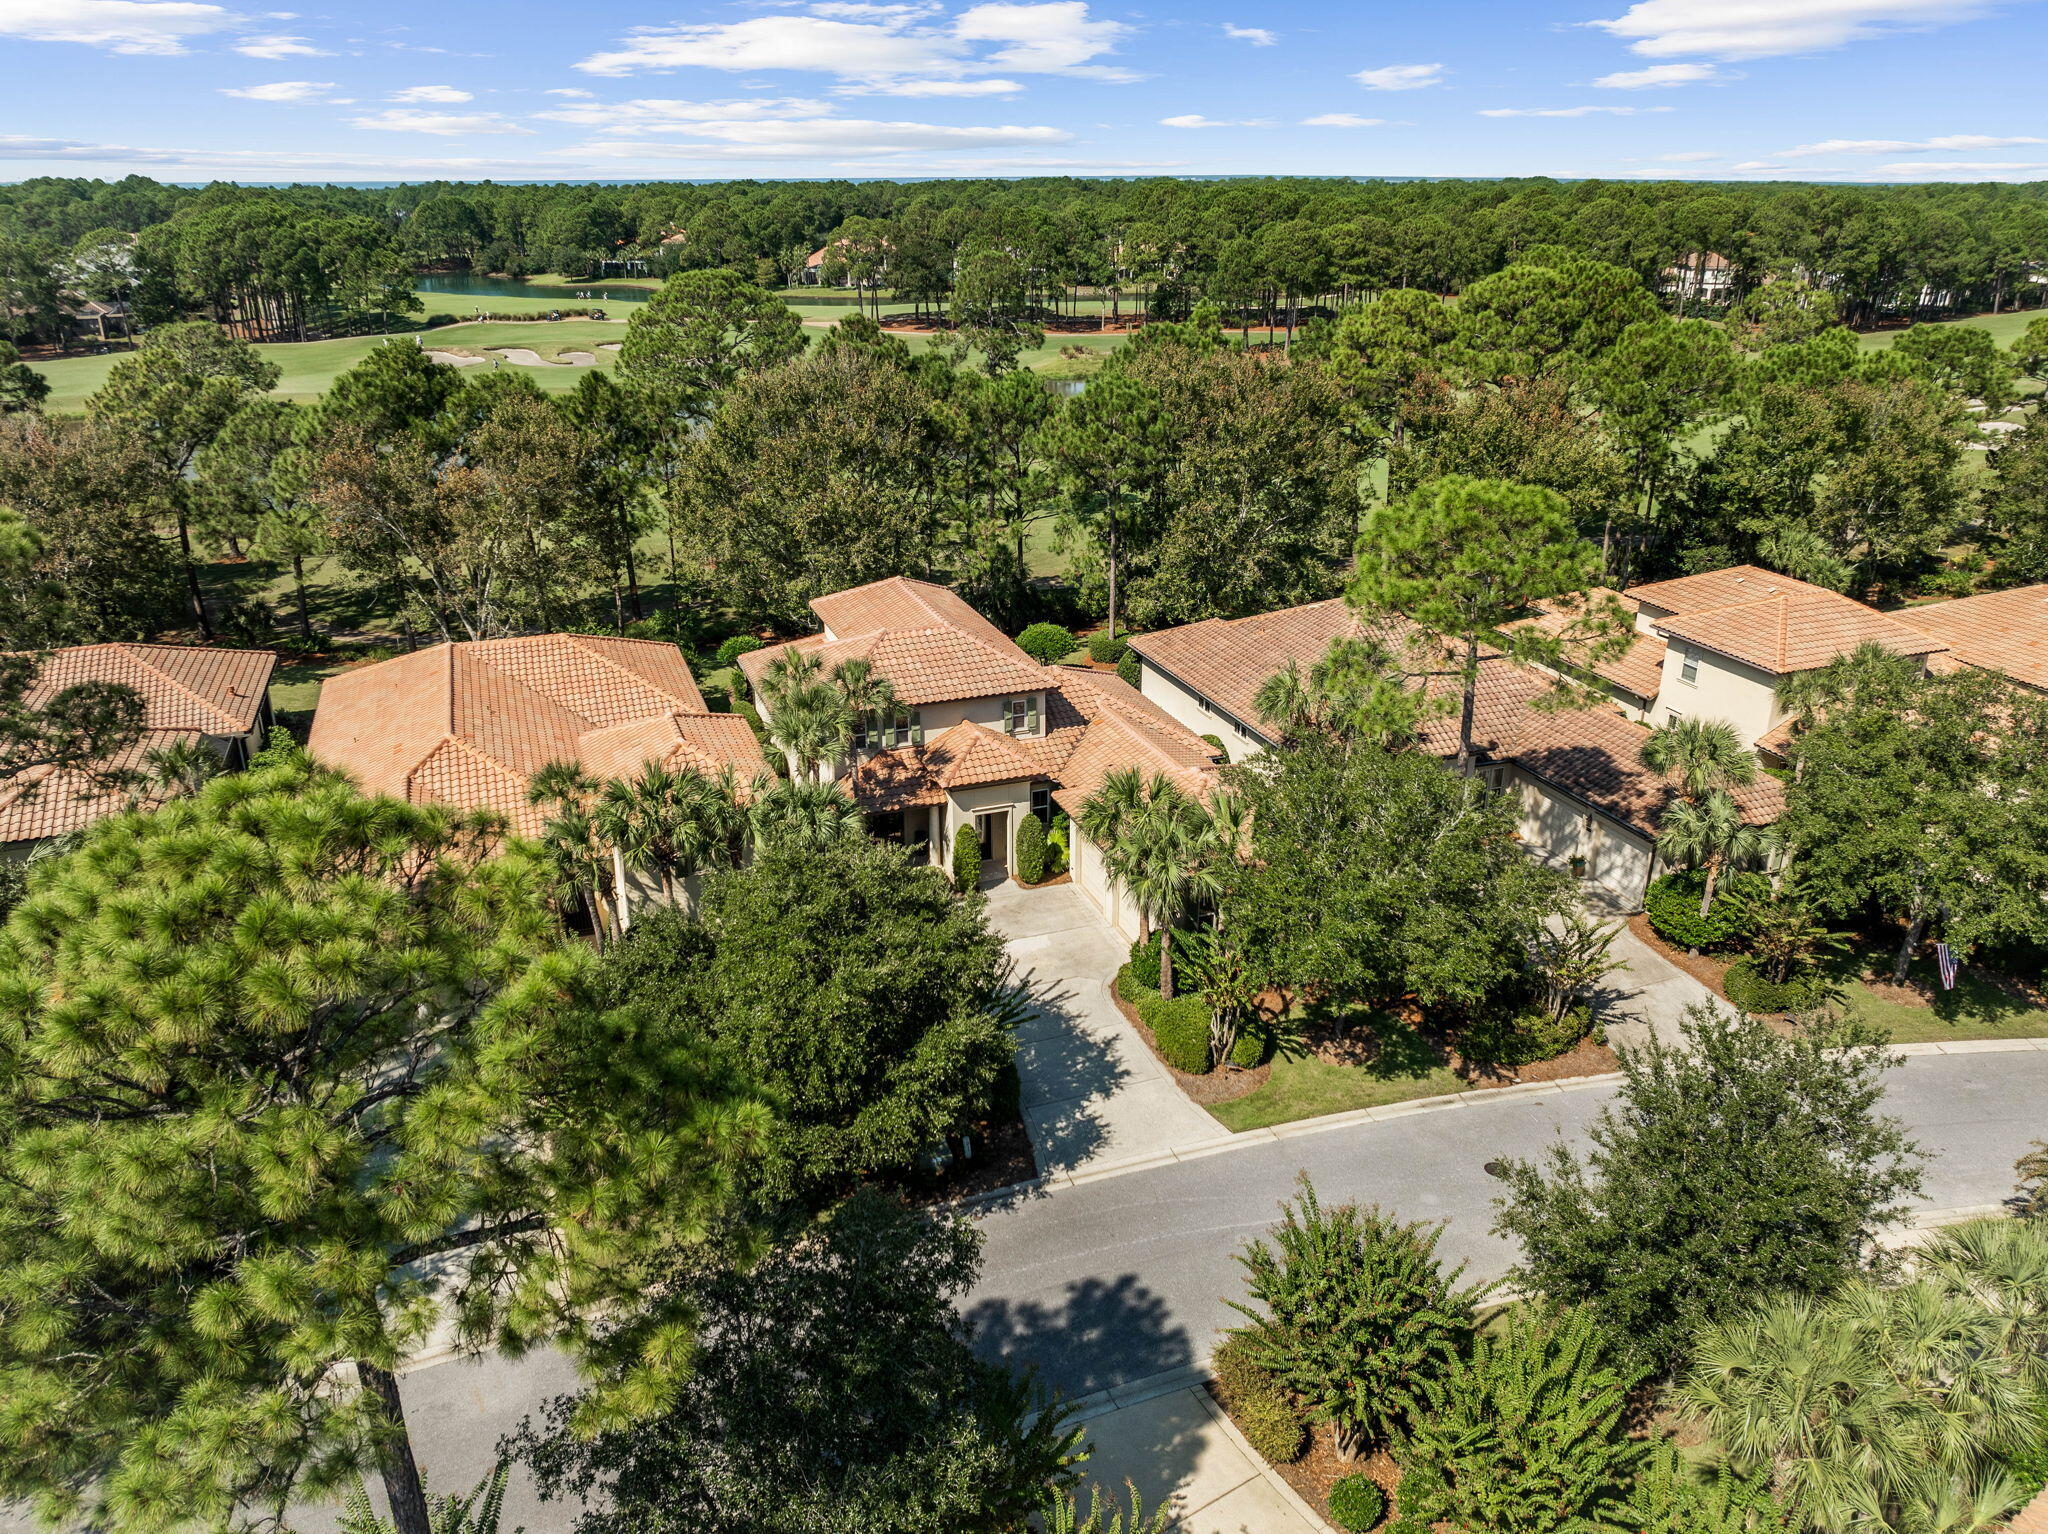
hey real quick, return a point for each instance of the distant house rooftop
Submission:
(1772, 622)
(2004, 631)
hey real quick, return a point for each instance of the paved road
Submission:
(1107, 1282)
(1110, 1281)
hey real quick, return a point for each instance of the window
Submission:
(1203, 704)
(903, 728)
(1020, 715)
(1689, 667)
(1041, 801)
(1672, 716)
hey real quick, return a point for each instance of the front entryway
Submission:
(993, 828)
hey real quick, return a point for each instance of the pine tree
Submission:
(1527, 1435)
(265, 1055)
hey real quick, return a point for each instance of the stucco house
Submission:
(985, 735)
(1587, 800)
(219, 699)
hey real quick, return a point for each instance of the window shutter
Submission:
(1031, 715)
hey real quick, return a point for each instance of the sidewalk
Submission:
(1093, 1091)
(1648, 995)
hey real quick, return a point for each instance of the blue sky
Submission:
(1850, 90)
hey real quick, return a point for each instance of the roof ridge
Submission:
(575, 642)
(129, 649)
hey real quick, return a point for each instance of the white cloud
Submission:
(656, 115)
(1755, 29)
(1401, 77)
(1906, 145)
(119, 26)
(1055, 38)
(1758, 165)
(1658, 75)
(1569, 111)
(883, 43)
(398, 120)
(929, 88)
(279, 46)
(574, 95)
(1197, 120)
(282, 90)
(1258, 37)
(424, 95)
(1341, 120)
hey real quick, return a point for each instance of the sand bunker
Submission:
(577, 359)
(454, 359)
(526, 357)
(609, 346)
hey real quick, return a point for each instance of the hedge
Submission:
(735, 647)
(1522, 1037)
(1750, 990)
(1031, 857)
(1127, 670)
(1357, 1503)
(1180, 1028)
(1673, 905)
(1250, 1048)
(1105, 651)
(1132, 988)
(1144, 964)
(1270, 1425)
(966, 859)
(1047, 643)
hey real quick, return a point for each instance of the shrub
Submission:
(1408, 1526)
(735, 647)
(1250, 1048)
(1105, 651)
(1270, 1424)
(1047, 643)
(1127, 670)
(1357, 1503)
(1145, 961)
(1181, 1030)
(1750, 990)
(1056, 845)
(1132, 988)
(1673, 905)
(1522, 1037)
(1031, 858)
(1234, 1369)
(752, 715)
(966, 859)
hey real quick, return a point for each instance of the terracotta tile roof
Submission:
(902, 603)
(183, 687)
(1796, 631)
(188, 692)
(924, 665)
(42, 802)
(469, 724)
(1639, 672)
(2003, 631)
(1720, 588)
(2033, 1518)
(1593, 754)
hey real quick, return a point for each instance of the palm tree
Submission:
(1709, 833)
(175, 771)
(671, 824)
(573, 838)
(1164, 848)
(868, 698)
(1355, 694)
(804, 812)
(1698, 756)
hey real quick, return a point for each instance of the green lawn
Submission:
(1303, 1086)
(2005, 328)
(1975, 1009)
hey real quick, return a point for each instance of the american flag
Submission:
(1945, 961)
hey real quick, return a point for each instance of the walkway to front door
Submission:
(1093, 1092)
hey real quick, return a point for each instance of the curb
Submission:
(1473, 1098)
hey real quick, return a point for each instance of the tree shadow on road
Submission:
(1101, 1332)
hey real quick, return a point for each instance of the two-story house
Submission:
(984, 735)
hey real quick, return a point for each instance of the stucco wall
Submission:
(963, 804)
(1185, 705)
(1085, 864)
(1725, 689)
(1556, 828)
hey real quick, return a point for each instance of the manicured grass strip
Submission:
(1303, 1087)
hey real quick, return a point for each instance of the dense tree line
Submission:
(280, 255)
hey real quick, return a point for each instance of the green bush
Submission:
(1215, 743)
(1753, 992)
(1047, 643)
(1408, 1526)
(1357, 1503)
(1105, 651)
(1181, 1030)
(1521, 1037)
(1234, 1369)
(966, 859)
(1131, 988)
(1056, 843)
(735, 647)
(752, 715)
(1031, 858)
(1145, 961)
(1250, 1048)
(1127, 670)
(1270, 1424)
(1673, 905)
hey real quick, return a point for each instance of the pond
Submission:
(470, 285)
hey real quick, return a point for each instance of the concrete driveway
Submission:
(1093, 1092)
